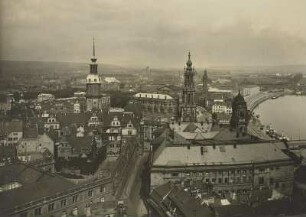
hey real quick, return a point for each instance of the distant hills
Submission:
(14, 68)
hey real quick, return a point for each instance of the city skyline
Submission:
(155, 33)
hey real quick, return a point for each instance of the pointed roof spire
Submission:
(189, 55)
(93, 47)
(93, 59)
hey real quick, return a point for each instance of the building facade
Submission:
(222, 107)
(228, 168)
(159, 106)
(10, 132)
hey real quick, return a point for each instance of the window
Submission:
(220, 180)
(102, 189)
(271, 181)
(63, 203)
(174, 174)
(261, 180)
(90, 193)
(74, 198)
(37, 211)
(226, 180)
(51, 207)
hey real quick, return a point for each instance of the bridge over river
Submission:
(254, 127)
(254, 100)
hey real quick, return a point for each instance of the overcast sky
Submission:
(157, 33)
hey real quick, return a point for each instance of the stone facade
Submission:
(158, 106)
(225, 177)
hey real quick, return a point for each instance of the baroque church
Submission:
(95, 100)
(188, 108)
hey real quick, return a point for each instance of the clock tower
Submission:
(93, 85)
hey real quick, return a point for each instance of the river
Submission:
(286, 114)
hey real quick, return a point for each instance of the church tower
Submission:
(240, 117)
(188, 107)
(205, 82)
(205, 89)
(93, 85)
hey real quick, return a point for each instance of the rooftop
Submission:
(153, 96)
(35, 185)
(167, 155)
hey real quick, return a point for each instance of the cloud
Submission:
(155, 32)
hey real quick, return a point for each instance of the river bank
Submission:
(286, 115)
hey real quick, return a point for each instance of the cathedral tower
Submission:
(240, 116)
(93, 85)
(188, 107)
(205, 82)
(205, 89)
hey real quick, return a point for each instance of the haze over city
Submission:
(152, 108)
(155, 33)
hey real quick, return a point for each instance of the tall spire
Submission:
(93, 59)
(93, 48)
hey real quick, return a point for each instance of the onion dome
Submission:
(189, 63)
(239, 100)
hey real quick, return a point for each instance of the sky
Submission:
(155, 33)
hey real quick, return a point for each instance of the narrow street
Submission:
(135, 204)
